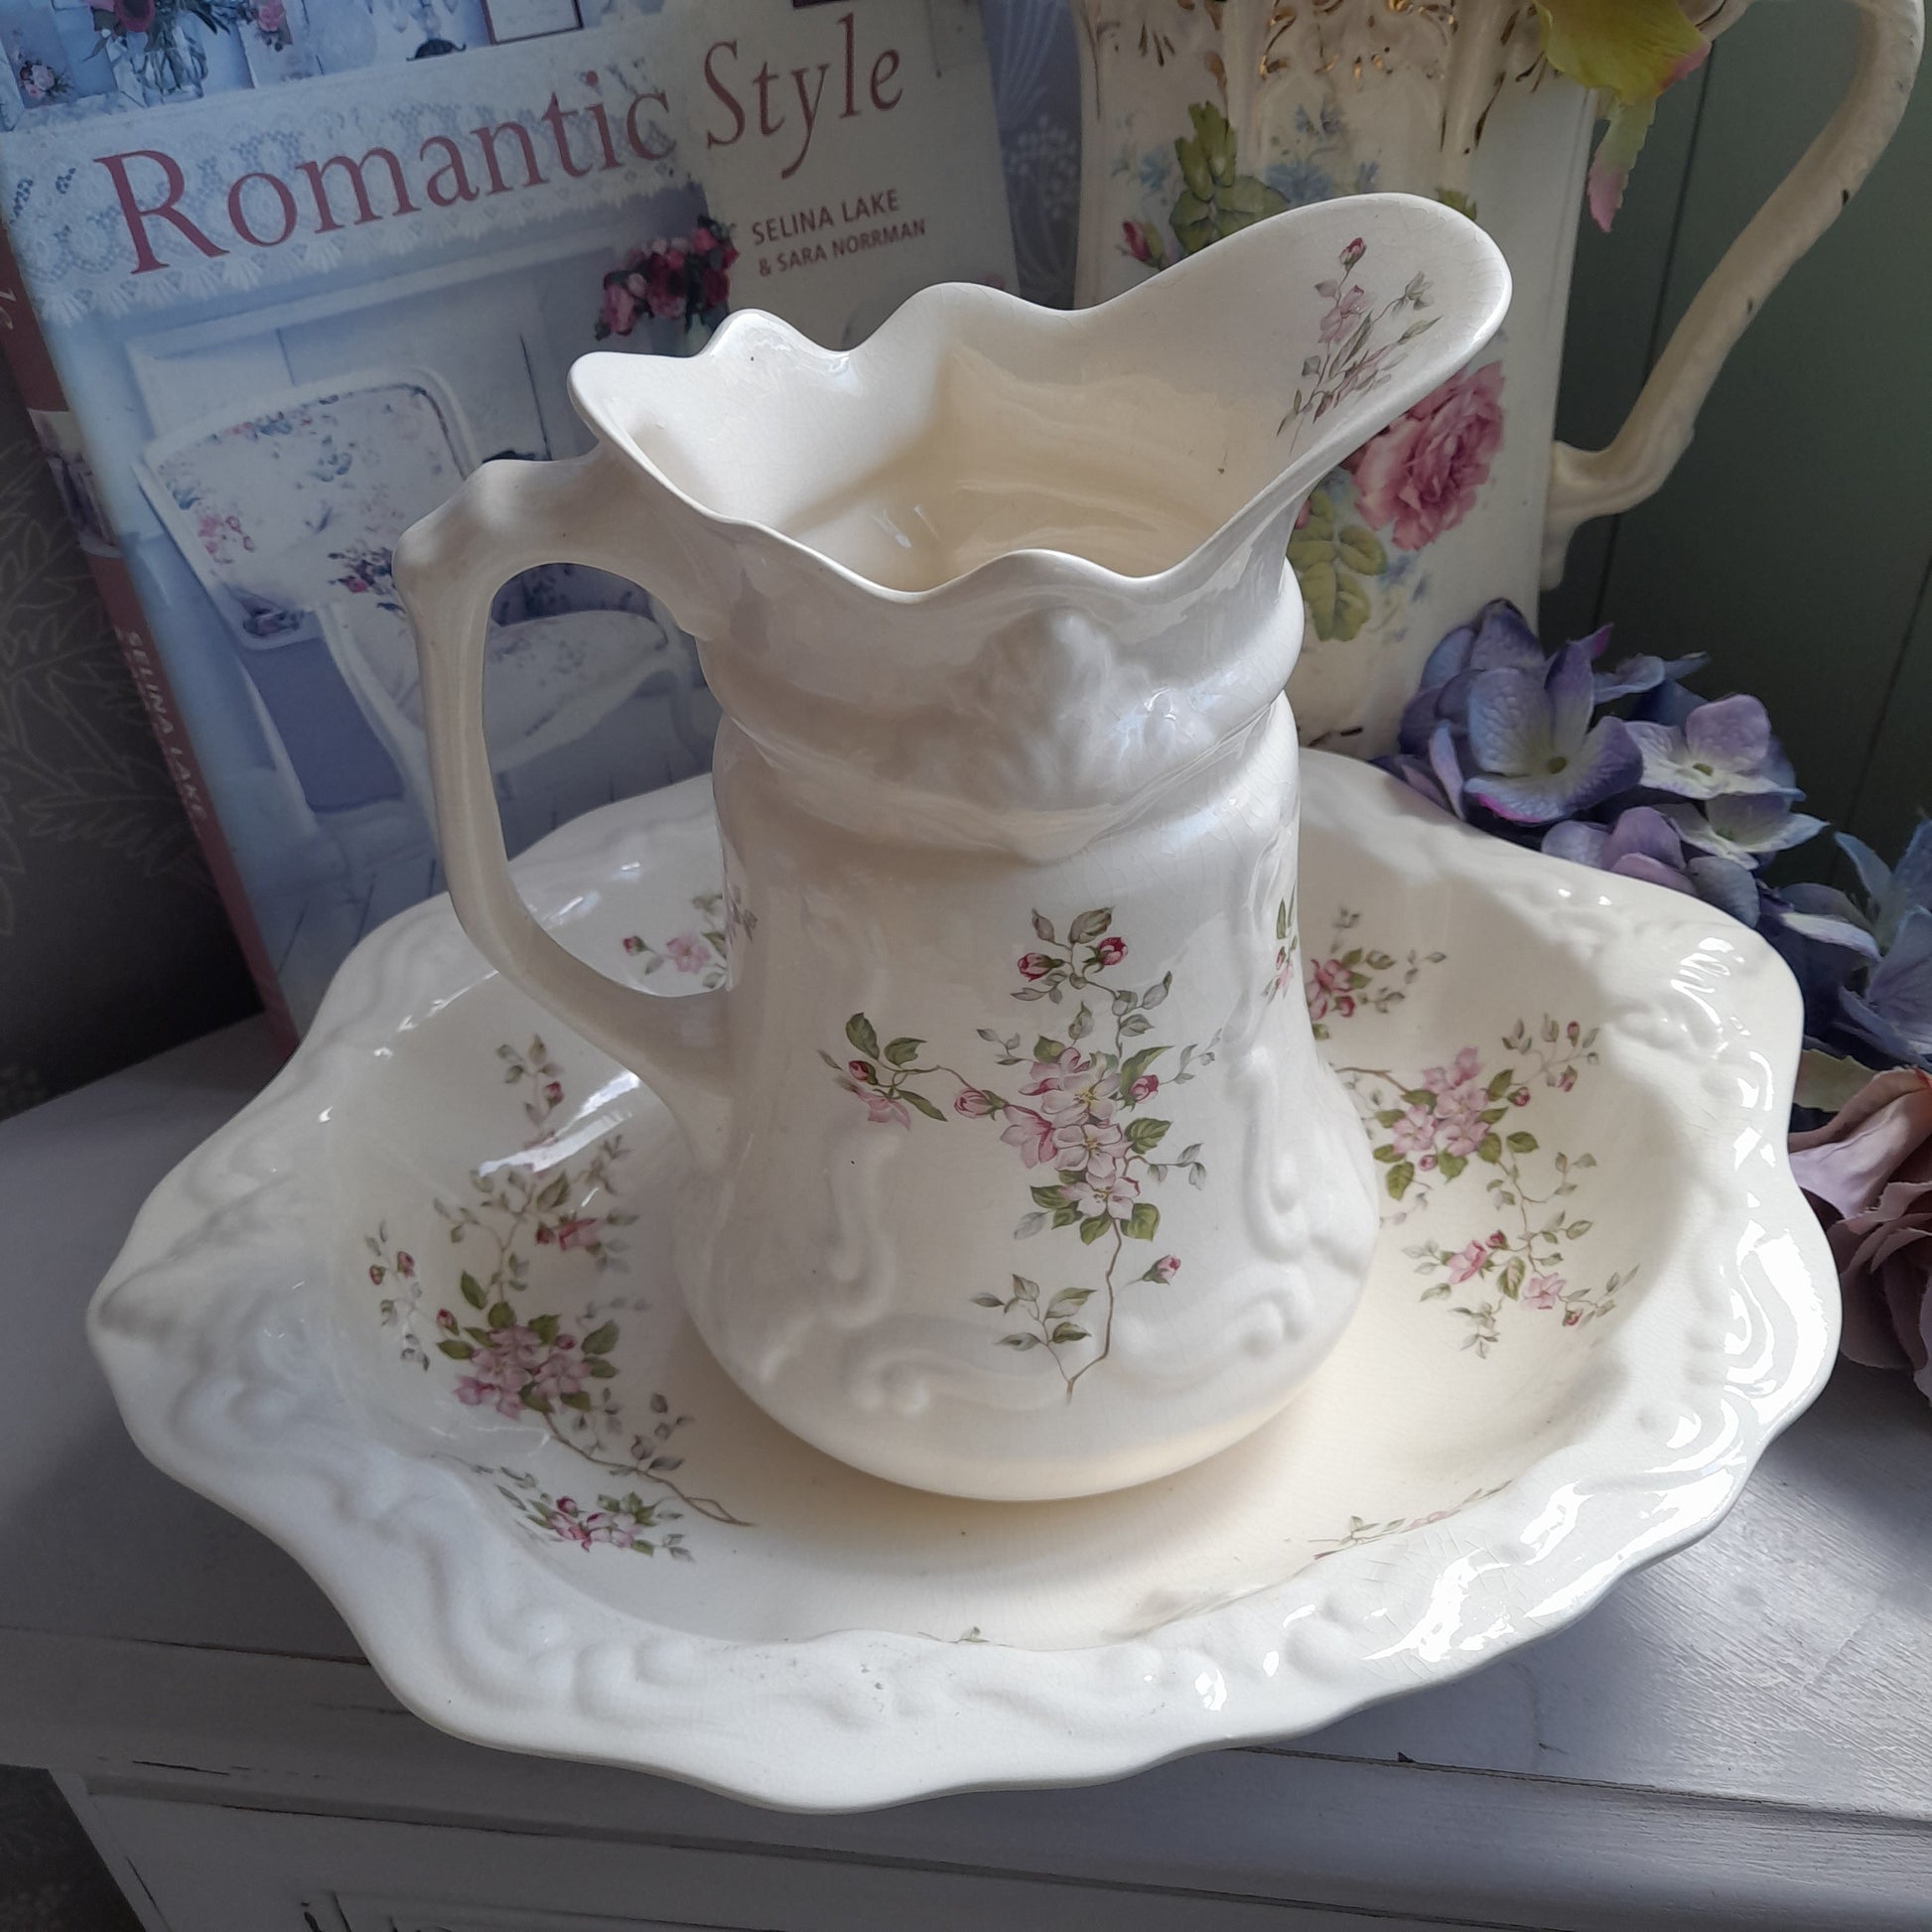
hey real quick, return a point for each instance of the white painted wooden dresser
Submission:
(1740, 1738)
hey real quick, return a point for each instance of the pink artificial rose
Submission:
(1868, 1171)
(1032, 1134)
(1111, 951)
(1421, 476)
(974, 1104)
(1145, 1088)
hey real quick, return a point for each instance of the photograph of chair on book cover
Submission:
(259, 343)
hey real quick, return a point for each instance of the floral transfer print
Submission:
(1351, 975)
(1429, 1130)
(1368, 1530)
(1357, 542)
(1077, 1115)
(702, 949)
(522, 1361)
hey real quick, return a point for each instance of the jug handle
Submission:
(510, 516)
(1586, 483)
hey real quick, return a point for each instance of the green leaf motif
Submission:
(576, 1400)
(599, 1341)
(1143, 1223)
(472, 1289)
(1046, 1047)
(1144, 1135)
(1216, 200)
(1522, 1143)
(1069, 1331)
(1135, 1064)
(1399, 1178)
(1330, 558)
(1452, 1165)
(501, 1315)
(988, 1302)
(1018, 1342)
(902, 1052)
(1049, 1197)
(919, 1101)
(863, 1035)
(1090, 926)
(1489, 1149)
(1093, 1227)
(458, 1351)
(1281, 920)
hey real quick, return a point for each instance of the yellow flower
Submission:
(1630, 48)
(1628, 51)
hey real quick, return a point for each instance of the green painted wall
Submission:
(1794, 542)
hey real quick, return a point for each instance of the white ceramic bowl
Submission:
(411, 1316)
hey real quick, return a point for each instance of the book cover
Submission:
(291, 268)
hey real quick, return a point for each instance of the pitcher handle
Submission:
(1585, 484)
(510, 516)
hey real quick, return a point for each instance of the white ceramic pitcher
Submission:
(1014, 1173)
(1468, 498)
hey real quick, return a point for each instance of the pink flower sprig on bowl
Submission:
(687, 279)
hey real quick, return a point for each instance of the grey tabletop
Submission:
(1784, 1662)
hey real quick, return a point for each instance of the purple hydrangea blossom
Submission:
(1892, 890)
(1892, 1010)
(1720, 747)
(1539, 757)
(1643, 673)
(1436, 773)
(1747, 827)
(1644, 844)
(1499, 640)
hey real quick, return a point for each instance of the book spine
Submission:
(39, 382)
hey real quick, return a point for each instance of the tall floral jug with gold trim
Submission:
(1014, 1171)
(1201, 116)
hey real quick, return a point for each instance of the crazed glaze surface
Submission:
(510, 1559)
(997, 610)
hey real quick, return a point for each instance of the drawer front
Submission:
(226, 1868)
